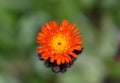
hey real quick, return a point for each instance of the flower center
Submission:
(59, 43)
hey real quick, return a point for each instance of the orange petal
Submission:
(58, 61)
(73, 54)
(52, 59)
(63, 60)
(80, 42)
(67, 60)
(48, 26)
(53, 24)
(45, 56)
(44, 30)
(71, 26)
(64, 23)
(40, 51)
(76, 31)
(41, 34)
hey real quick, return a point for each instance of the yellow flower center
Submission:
(59, 43)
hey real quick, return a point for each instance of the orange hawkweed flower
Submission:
(59, 45)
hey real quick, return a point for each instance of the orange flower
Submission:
(59, 44)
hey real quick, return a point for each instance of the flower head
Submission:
(59, 44)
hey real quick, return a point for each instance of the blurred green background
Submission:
(20, 21)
